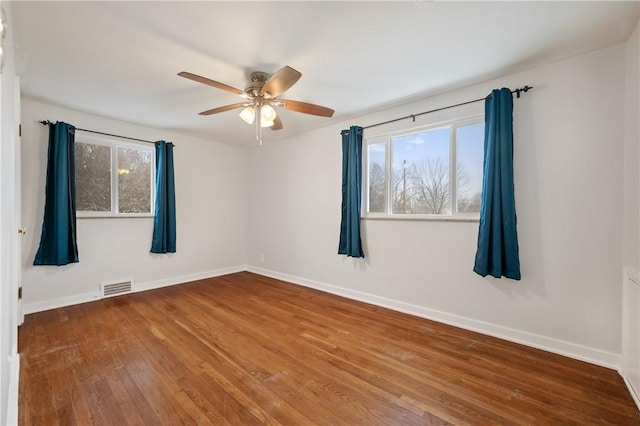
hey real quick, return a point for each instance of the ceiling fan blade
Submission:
(279, 82)
(306, 108)
(277, 123)
(212, 83)
(223, 108)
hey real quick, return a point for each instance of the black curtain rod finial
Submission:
(525, 89)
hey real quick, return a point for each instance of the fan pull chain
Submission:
(258, 124)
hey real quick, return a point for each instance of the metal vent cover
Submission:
(116, 289)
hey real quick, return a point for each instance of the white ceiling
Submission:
(120, 59)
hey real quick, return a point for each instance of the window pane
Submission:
(134, 180)
(420, 173)
(377, 167)
(470, 152)
(93, 177)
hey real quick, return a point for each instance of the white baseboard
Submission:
(187, 278)
(632, 391)
(60, 302)
(12, 397)
(572, 350)
(45, 305)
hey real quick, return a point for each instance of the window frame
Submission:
(113, 145)
(387, 138)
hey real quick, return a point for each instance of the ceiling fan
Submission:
(261, 96)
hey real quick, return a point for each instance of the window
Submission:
(434, 172)
(113, 178)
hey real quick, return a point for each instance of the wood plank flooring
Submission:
(245, 349)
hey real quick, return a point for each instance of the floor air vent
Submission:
(116, 289)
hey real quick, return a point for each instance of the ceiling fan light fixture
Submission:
(248, 115)
(267, 113)
(261, 98)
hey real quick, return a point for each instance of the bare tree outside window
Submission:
(93, 177)
(467, 201)
(430, 182)
(376, 153)
(134, 180)
(403, 193)
(376, 188)
(424, 188)
(421, 172)
(470, 150)
(470, 204)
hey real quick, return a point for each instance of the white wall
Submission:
(631, 210)
(569, 158)
(9, 359)
(211, 202)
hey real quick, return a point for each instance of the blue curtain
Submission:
(164, 222)
(497, 253)
(58, 245)
(350, 243)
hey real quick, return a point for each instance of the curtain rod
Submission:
(45, 122)
(524, 89)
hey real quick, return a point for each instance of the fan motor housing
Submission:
(258, 79)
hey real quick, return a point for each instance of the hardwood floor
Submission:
(246, 349)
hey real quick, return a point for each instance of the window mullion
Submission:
(453, 169)
(389, 176)
(114, 179)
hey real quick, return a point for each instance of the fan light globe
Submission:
(248, 115)
(267, 113)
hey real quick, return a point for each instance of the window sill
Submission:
(113, 216)
(424, 218)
